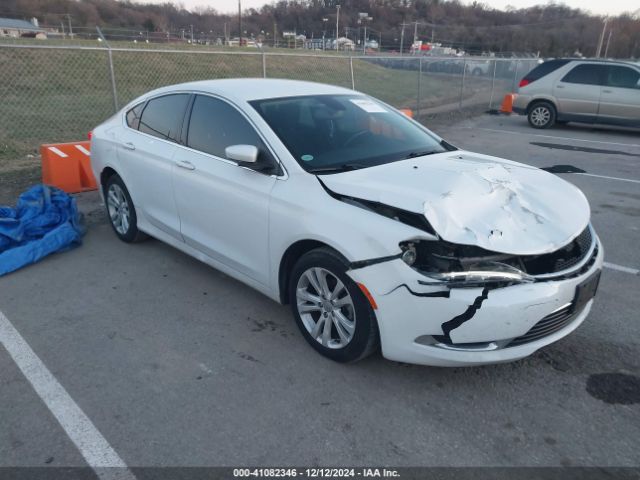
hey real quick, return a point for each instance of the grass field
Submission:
(57, 95)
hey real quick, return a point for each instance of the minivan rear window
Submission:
(544, 69)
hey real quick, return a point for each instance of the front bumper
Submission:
(410, 315)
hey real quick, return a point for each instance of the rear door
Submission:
(620, 100)
(578, 92)
(146, 153)
(224, 206)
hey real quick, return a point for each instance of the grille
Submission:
(548, 325)
(561, 259)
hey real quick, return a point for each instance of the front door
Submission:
(620, 100)
(224, 206)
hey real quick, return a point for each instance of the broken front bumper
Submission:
(436, 325)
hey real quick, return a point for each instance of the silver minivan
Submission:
(580, 90)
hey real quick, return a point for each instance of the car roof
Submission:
(248, 89)
(599, 60)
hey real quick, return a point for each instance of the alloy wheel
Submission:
(118, 207)
(540, 116)
(325, 307)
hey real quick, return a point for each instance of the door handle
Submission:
(606, 91)
(186, 165)
(129, 146)
(559, 86)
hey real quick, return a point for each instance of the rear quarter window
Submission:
(133, 116)
(545, 69)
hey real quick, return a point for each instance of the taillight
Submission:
(89, 135)
(524, 82)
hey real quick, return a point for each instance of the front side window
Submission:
(133, 116)
(623, 77)
(215, 125)
(586, 74)
(162, 117)
(332, 133)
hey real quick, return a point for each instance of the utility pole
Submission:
(402, 38)
(337, 24)
(191, 28)
(275, 35)
(601, 41)
(415, 32)
(606, 50)
(239, 23)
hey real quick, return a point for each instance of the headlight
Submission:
(479, 274)
(462, 265)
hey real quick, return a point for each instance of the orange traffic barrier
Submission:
(507, 103)
(68, 166)
(407, 111)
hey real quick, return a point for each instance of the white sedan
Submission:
(379, 233)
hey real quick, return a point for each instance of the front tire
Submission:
(542, 115)
(331, 311)
(121, 212)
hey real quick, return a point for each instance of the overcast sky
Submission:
(612, 7)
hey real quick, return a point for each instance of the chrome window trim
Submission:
(123, 118)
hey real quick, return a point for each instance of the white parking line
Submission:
(608, 178)
(557, 138)
(621, 268)
(92, 445)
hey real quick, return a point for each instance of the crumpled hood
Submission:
(475, 199)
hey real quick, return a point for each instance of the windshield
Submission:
(333, 133)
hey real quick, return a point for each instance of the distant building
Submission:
(12, 27)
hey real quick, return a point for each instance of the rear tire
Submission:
(541, 115)
(121, 212)
(335, 302)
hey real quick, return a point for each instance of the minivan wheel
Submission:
(121, 212)
(331, 311)
(542, 115)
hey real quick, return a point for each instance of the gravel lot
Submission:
(176, 364)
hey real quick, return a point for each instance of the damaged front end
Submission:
(460, 266)
(465, 305)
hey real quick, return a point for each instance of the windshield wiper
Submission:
(344, 167)
(420, 154)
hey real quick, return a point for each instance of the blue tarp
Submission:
(45, 221)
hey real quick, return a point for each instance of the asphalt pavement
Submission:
(175, 364)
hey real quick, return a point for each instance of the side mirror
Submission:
(242, 153)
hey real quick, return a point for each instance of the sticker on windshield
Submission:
(368, 105)
(306, 158)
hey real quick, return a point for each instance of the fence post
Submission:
(114, 90)
(464, 72)
(264, 65)
(493, 82)
(419, 86)
(353, 80)
(515, 76)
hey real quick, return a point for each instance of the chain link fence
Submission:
(58, 93)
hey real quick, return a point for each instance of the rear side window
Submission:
(162, 117)
(544, 69)
(133, 116)
(586, 74)
(216, 125)
(623, 77)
